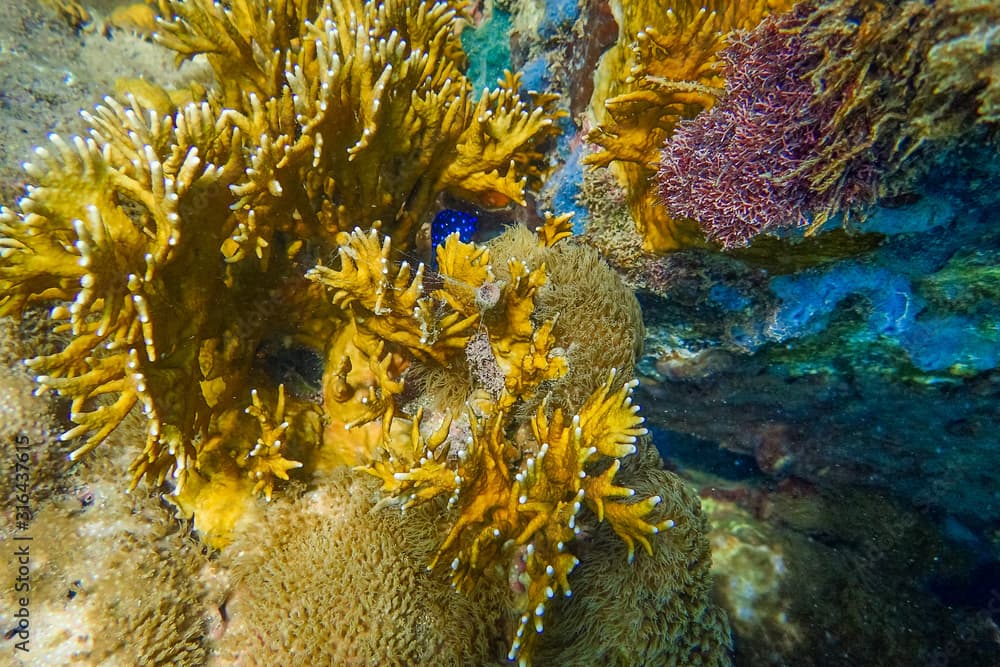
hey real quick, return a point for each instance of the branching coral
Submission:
(664, 68)
(171, 242)
(99, 237)
(369, 281)
(71, 11)
(394, 321)
(516, 484)
(364, 107)
(851, 93)
(139, 17)
(179, 242)
(668, 618)
(266, 460)
(518, 500)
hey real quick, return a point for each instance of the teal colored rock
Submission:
(488, 49)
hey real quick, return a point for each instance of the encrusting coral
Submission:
(664, 68)
(171, 241)
(859, 96)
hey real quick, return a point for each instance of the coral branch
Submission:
(520, 500)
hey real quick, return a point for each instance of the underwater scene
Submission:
(500, 332)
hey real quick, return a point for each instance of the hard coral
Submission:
(76, 15)
(517, 480)
(170, 243)
(360, 105)
(520, 498)
(663, 69)
(596, 319)
(400, 318)
(852, 93)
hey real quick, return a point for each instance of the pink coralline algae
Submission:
(747, 166)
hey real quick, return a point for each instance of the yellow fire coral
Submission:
(179, 245)
(517, 485)
(171, 242)
(663, 68)
(518, 499)
(71, 11)
(139, 17)
(669, 619)
(369, 281)
(365, 108)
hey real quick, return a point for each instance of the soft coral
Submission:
(747, 166)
